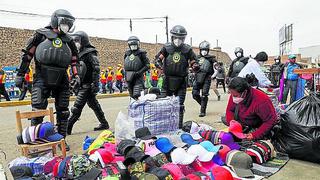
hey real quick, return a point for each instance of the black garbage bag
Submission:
(299, 135)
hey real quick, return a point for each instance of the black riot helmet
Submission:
(133, 43)
(238, 52)
(81, 37)
(277, 59)
(204, 47)
(178, 35)
(62, 19)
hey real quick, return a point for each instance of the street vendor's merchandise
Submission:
(164, 145)
(202, 154)
(144, 134)
(149, 147)
(180, 156)
(125, 145)
(220, 173)
(174, 170)
(236, 129)
(224, 150)
(81, 168)
(240, 163)
(103, 156)
(135, 154)
(187, 138)
(47, 132)
(21, 172)
(161, 173)
(191, 127)
(160, 159)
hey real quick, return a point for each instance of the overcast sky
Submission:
(251, 24)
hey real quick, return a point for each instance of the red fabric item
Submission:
(223, 152)
(220, 173)
(236, 129)
(258, 112)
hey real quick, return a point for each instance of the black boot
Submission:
(204, 102)
(73, 119)
(197, 98)
(101, 127)
(62, 123)
(71, 122)
(100, 115)
(181, 114)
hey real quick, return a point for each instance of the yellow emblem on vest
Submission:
(132, 57)
(176, 57)
(57, 43)
(201, 61)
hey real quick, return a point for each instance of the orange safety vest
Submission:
(154, 74)
(119, 74)
(103, 78)
(110, 76)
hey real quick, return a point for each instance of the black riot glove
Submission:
(95, 88)
(195, 67)
(19, 81)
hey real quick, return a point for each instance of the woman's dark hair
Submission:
(239, 84)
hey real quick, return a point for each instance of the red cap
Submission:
(223, 152)
(55, 169)
(220, 173)
(193, 177)
(174, 170)
(236, 129)
(105, 157)
(196, 165)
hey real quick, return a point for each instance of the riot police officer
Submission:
(89, 75)
(136, 63)
(276, 70)
(237, 64)
(203, 77)
(53, 50)
(175, 58)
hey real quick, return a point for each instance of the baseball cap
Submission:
(31, 133)
(82, 169)
(210, 147)
(48, 166)
(174, 170)
(21, 172)
(256, 154)
(240, 163)
(144, 134)
(180, 156)
(161, 173)
(202, 154)
(87, 142)
(125, 145)
(186, 169)
(47, 132)
(24, 135)
(220, 173)
(160, 159)
(221, 137)
(223, 152)
(198, 167)
(148, 176)
(149, 147)
(270, 147)
(236, 129)
(191, 127)
(103, 156)
(134, 155)
(164, 145)
(187, 138)
(176, 140)
(137, 168)
(112, 148)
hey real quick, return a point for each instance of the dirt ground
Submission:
(295, 169)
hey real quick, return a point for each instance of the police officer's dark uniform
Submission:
(53, 50)
(203, 77)
(175, 58)
(89, 73)
(276, 71)
(136, 63)
(237, 64)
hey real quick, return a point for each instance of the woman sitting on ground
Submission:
(251, 108)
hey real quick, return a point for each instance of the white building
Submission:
(312, 52)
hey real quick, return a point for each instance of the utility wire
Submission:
(83, 18)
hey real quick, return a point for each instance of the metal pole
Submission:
(167, 29)
(191, 41)
(156, 38)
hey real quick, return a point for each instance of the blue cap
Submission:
(210, 147)
(47, 132)
(292, 56)
(164, 145)
(187, 138)
(217, 160)
(87, 142)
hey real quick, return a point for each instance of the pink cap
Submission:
(236, 129)
(174, 170)
(149, 147)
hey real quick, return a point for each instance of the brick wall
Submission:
(110, 51)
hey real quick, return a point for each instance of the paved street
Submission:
(111, 106)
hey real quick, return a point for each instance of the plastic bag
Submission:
(124, 127)
(299, 135)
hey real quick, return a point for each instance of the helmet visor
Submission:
(66, 20)
(177, 40)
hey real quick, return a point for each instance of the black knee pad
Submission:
(75, 110)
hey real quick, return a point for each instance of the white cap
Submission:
(202, 154)
(180, 156)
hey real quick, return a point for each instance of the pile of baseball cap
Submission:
(40, 133)
(193, 153)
